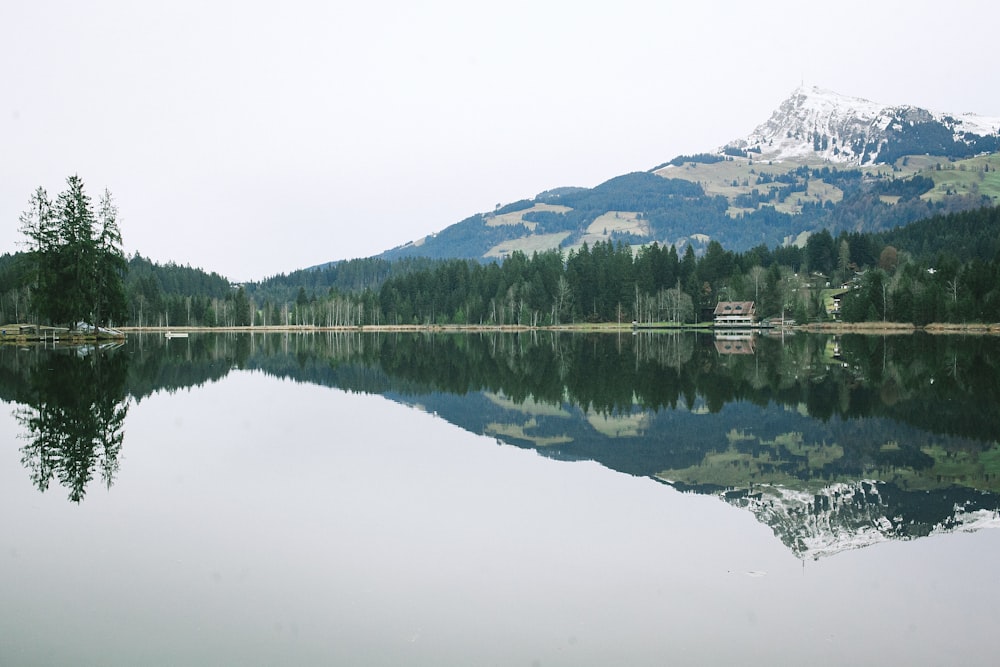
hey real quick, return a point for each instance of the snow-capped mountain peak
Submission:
(816, 124)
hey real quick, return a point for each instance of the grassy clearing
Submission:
(517, 217)
(733, 469)
(816, 191)
(519, 432)
(914, 164)
(718, 178)
(626, 222)
(978, 470)
(975, 176)
(777, 462)
(823, 191)
(619, 426)
(529, 407)
(527, 244)
(739, 177)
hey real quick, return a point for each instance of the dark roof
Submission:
(734, 308)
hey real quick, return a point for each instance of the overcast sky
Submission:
(255, 138)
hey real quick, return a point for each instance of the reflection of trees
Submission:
(944, 385)
(73, 418)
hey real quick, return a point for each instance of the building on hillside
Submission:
(735, 314)
(833, 307)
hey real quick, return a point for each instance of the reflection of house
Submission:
(735, 314)
(734, 344)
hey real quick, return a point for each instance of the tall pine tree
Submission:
(72, 290)
(38, 225)
(109, 293)
(78, 260)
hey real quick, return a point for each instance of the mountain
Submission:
(822, 160)
(819, 124)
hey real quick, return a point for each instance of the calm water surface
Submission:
(280, 501)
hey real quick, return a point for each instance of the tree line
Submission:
(901, 275)
(945, 268)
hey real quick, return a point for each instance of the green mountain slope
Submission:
(736, 201)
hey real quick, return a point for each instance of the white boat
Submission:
(175, 334)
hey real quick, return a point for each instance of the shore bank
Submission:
(15, 333)
(32, 333)
(885, 328)
(879, 328)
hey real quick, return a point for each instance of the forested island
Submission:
(943, 269)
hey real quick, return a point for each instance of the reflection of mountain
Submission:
(850, 515)
(819, 496)
(894, 438)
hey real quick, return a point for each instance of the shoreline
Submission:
(863, 328)
(608, 327)
(901, 328)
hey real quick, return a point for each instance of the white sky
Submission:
(255, 138)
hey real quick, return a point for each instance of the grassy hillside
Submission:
(978, 175)
(740, 202)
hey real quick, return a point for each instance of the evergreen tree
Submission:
(109, 298)
(821, 255)
(78, 260)
(242, 308)
(38, 225)
(72, 293)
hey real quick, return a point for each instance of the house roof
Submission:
(734, 308)
(744, 346)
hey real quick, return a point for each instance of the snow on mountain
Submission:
(820, 124)
(846, 516)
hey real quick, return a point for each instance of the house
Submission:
(735, 314)
(833, 309)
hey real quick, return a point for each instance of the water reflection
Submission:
(73, 414)
(833, 442)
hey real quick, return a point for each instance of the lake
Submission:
(501, 499)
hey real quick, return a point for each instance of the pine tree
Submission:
(78, 260)
(72, 296)
(109, 297)
(38, 225)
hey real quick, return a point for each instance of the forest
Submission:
(941, 269)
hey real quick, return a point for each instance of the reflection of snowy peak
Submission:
(853, 515)
(815, 124)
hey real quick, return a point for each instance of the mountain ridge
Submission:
(821, 161)
(814, 122)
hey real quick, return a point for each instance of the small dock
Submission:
(36, 333)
